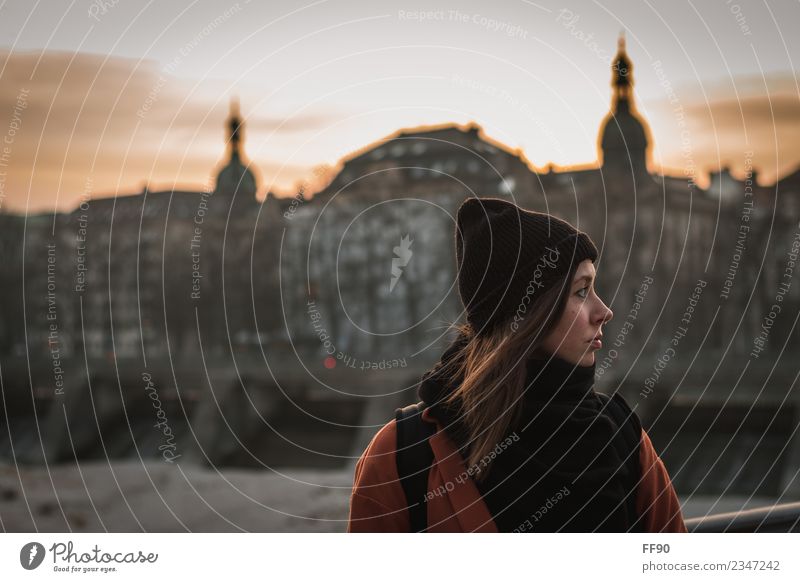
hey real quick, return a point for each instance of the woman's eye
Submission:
(580, 291)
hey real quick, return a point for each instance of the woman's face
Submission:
(573, 338)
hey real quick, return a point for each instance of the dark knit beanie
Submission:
(508, 256)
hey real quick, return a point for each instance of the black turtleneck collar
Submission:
(557, 379)
(549, 380)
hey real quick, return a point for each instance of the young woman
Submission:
(514, 436)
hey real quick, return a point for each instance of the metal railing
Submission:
(784, 517)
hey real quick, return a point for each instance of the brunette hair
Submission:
(492, 365)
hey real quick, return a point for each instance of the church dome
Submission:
(622, 132)
(236, 183)
(623, 138)
(238, 178)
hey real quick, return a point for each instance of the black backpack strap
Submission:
(627, 444)
(414, 459)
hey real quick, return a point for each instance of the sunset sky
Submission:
(105, 96)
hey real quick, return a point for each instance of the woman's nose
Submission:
(607, 314)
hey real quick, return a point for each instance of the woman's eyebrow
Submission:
(587, 278)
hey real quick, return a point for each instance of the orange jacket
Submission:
(378, 504)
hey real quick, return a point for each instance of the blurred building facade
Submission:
(365, 268)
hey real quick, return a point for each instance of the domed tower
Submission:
(236, 182)
(623, 135)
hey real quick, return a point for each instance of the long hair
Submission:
(494, 372)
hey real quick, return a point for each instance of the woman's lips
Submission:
(596, 343)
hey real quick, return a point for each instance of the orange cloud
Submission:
(111, 124)
(764, 120)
